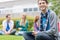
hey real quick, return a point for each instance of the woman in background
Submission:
(36, 23)
(22, 25)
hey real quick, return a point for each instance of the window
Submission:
(30, 9)
(25, 10)
(35, 9)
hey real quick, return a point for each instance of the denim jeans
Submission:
(39, 36)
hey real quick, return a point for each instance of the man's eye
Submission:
(39, 3)
(43, 3)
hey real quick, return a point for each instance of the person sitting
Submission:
(22, 25)
(48, 29)
(8, 26)
(36, 23)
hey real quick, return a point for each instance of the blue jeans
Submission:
(28, 36)
(44, 36)
(11, 33)
(39, 36)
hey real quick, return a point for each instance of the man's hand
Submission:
(7, 33)
(34, 33)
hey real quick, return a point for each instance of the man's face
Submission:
(9, 18)
(42, 5)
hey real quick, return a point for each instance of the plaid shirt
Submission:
(45, 21)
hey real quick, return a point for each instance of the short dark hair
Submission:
(7, 15)
(45, 1)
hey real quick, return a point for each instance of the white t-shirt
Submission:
(4, 24)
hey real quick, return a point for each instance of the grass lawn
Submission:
(10, 37)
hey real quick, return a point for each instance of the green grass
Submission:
(10, 37)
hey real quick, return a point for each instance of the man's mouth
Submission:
(42, 7)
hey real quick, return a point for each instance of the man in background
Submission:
(8, 26)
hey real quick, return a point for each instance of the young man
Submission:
(48, 24)
(8, 26)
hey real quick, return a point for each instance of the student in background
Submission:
(36, 23)
(22, 25)
(8, 26)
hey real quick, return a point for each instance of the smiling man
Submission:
(48, 24)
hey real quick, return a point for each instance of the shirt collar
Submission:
(46, 11)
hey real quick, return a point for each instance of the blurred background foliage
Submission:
(55, 5)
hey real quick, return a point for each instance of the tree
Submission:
(55, 6)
